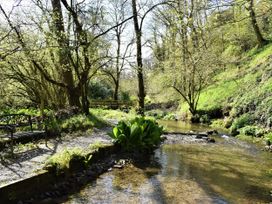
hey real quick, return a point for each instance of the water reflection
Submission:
(186, 174)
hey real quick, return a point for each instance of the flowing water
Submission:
(228, 171)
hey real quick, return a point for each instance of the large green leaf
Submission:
(139, 133)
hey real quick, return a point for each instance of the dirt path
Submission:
(27, 163)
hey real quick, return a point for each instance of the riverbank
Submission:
(28, 163)
(27, 166)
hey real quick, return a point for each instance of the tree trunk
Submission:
(138, 32)
(84, 99)
(260, 38)
(116, 90)
(65, 70)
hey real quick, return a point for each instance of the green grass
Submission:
(60, 161)
(105, 114)
(260, 56)
(241, 86)
(216, 95)
(246, 88)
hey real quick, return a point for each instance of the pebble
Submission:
(118, 166)
(268, 148)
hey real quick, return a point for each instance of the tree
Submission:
(120, 53)
(190, 61)
(138, 25)
(64, 54)
(77, 44)
(261, 40)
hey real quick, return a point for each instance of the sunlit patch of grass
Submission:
(98, 145)
(112, 114)
(60, 161)
(260, 55)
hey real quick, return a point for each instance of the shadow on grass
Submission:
(98, 122)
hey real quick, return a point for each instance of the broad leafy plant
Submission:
(137, 134)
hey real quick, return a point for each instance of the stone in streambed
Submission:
(210, 140)
(118, 166)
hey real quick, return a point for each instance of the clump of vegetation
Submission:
(52, 125)
(60, 162)
(252, 131)
(157, 114)
(76, 123)
(137, 134)
(268, 137)
(113, 114)
(73, 159)
(240, 122)
(97, 145)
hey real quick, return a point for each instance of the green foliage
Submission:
(240, 122)
(99, 90)
(59, 162)
(157, 114)
(125, 96)
(169, 116)
(205, 119)
(97, 145)
(160, 114)
(252, 131)
(268, 137)
(52, 125)
(137, 134)
(76, 123)
(106, 114)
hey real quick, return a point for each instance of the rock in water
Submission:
(117, 166)
(210, 140)
(268, 143)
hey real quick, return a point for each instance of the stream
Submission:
(229, 171)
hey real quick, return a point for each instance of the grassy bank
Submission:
(244, 95)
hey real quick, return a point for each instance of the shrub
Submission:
(252, 131)
(170, 116)
(157, 114)
(195, 118)
(75, 123)
(268, 137)
(125, 96)
(139, 133)
(52, 125)
(205, 119)
(212, 113)
(240, 122)
(99, 90)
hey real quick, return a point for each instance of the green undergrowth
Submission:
(118, 115)
(244, 94)
(79, 122)
(247, 86)
(106, 114)
(62, 161)
(160, 114)
(27, 111)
